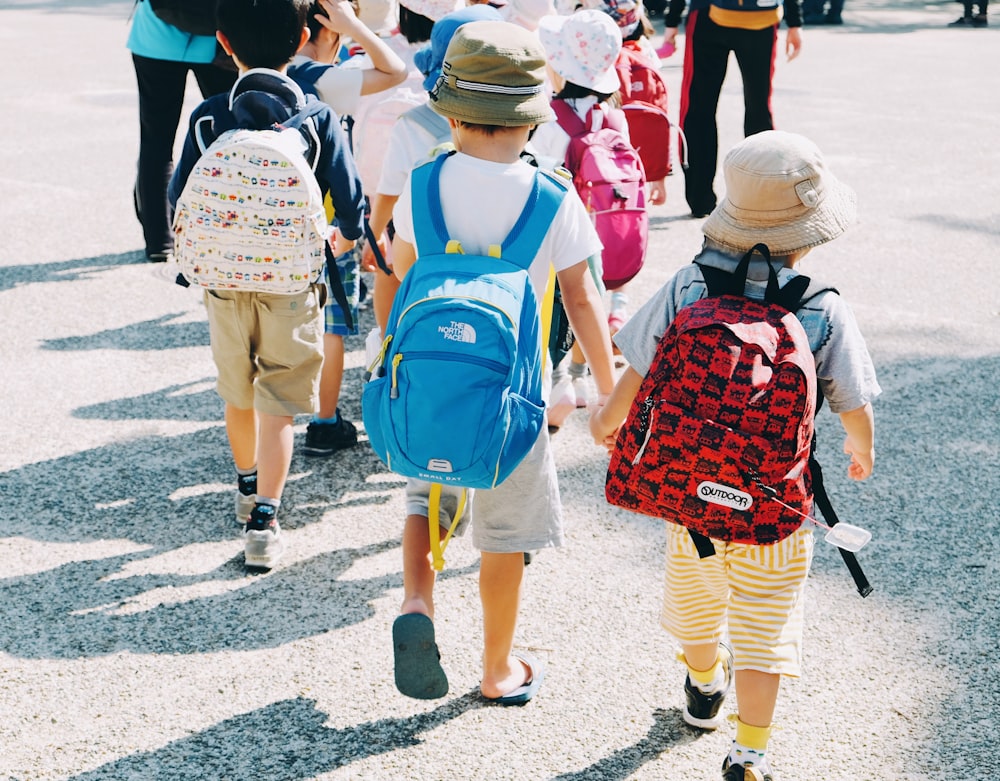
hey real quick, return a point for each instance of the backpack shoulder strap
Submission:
(430, 120)
(567, 119)
(544, 200)
(430, 232)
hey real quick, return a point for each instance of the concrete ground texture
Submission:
(134, 646)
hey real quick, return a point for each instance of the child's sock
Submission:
(712, 679)
(576, 371)
(246, 481)
(267, 501)
(750, 745)
(330, 421)
(619, 302)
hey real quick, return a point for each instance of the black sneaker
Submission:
(702, 708)
(323, 439)
(741, 773)
(962, 21)
(980, 21)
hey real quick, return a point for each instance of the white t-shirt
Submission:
(481, 200)
(338, 87)
(410, 144)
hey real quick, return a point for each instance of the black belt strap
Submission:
(830, 516)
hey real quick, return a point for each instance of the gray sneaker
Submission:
(262, 543)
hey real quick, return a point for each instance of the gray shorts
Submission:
(521, 514)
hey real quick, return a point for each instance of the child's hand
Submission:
(340, 18)
(603, 435)
(658, 191)
(368, 261)
(861, 460)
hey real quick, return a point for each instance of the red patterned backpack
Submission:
(722, 424)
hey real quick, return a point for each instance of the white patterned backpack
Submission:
(251, 216)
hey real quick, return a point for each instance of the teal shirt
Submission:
(151, 37)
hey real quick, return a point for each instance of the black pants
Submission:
(161, 98)
(705, 59)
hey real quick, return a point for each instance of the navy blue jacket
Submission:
(258, 100)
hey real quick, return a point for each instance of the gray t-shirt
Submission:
(844, 368)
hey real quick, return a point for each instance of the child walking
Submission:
(341, 88)
(491, 92)
(267, 348)
(583, 49)
(779, 193)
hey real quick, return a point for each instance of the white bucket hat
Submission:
(583, 48)
(433, 9)
(779, 192)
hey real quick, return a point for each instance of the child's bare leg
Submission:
(275, 455)
(241, 430)
(418, 574)
(331, 376)
(701, 656)
(756, 695)
(500, 576)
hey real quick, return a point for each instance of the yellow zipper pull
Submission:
(394, 393)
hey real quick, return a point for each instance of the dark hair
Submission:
(488, 130)
(263, 33)
(571, 91)
(314, 27)
(416, 28)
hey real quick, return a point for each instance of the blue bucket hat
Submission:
(430, 59)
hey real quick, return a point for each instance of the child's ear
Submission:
(224, 42)
(303, 39)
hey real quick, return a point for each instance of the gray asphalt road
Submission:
(133, 646)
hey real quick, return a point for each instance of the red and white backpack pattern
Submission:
(719, 436)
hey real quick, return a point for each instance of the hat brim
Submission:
(815, 226)
(481, 108)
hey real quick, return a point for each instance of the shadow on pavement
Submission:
(285, 741)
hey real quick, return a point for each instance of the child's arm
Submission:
(607, 418)
(389, 69)
(860, 443)
(586, 316)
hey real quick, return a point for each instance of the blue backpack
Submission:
(455, 395)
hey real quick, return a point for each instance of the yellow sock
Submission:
(752, 737)
(712, 674)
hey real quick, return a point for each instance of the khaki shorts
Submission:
(268, 349)
(756, 592)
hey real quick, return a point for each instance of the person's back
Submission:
(492, 95)
(779, 193)
(267, 347)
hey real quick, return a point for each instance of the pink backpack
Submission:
(611, 182)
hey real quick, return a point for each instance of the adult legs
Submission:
(705, 58)
(213, 79)
(161, 96)
(755, 51)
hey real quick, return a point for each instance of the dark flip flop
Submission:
(417, 659)
(525, 691)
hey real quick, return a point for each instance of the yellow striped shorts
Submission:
(756, 592)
